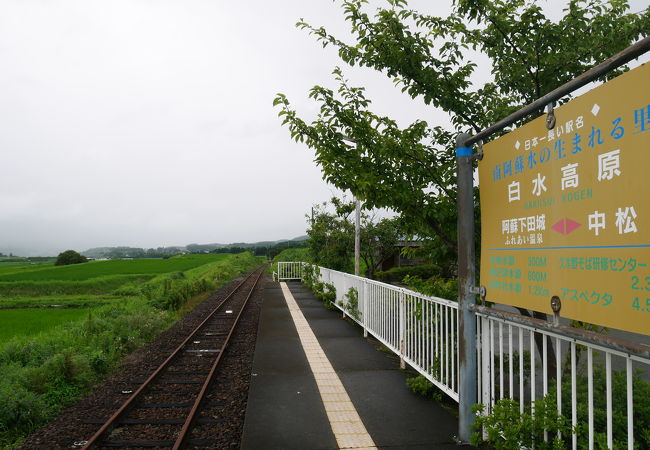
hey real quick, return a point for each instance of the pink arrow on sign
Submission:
(570, 225)
(565, 226)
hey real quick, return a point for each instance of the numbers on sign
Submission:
(638, 285)
(636, 304)
(537, 261)
(539, 291)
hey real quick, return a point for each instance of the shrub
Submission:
(397, 274)
(293, 254)
(310, 275)
(434, 286)
(99, 362)
(641, 405)
(40, 376)
(327, 294)
(70, 257)
(507, 428)
(171, 292)
(21, 413)
(421, 386)
(352, 304)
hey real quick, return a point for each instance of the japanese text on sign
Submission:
(565, 211)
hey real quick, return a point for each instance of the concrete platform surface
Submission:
(285, 407)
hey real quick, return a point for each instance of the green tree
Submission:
(378, 242)
(69, 257)
(412, 169)
(331, 237)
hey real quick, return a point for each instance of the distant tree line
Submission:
(269, 251)
(160, 252)
(13, 258)
(134, 252)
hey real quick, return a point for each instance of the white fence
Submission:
(288, 271)
(420, 329)
(592, 381)
(521, 359)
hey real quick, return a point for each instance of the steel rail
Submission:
(197, 402)
(129, 402)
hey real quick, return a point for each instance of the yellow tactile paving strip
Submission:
(346, 424)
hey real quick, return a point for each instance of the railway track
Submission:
(173, 399)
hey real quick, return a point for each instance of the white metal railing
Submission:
(418, 328)
(514, 356)
(512, 365)
(287, 271)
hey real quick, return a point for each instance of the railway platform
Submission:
(318, 384)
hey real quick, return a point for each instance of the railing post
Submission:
(486, 369)
(467, 388)
(343, 292)
(365, 308)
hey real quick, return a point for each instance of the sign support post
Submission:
(467, 370)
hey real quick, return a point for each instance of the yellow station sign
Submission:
(566, 212)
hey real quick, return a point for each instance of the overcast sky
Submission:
(150, 122)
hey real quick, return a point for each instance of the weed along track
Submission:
(190, 394)
(170, 408)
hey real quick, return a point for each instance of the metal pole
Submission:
(467, 389)
(357, 238)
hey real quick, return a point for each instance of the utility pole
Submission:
(357, 225)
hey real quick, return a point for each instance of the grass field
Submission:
(24, 265)
(106, 310)
(91, 286)
(35, 297)
(55, 301)
(94, 269)
(29, 322)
